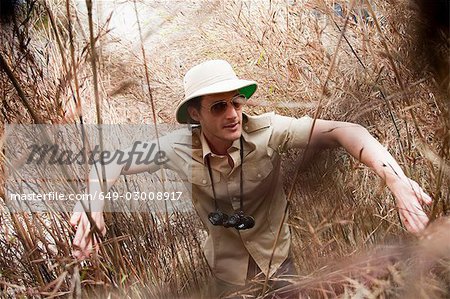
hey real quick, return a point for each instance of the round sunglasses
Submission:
(220, 107)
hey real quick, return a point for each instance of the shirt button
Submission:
(246, 127)
(204, 181)
(259, 175)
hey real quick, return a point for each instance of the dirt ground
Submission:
(170, 30)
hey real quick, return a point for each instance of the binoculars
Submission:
(238, 220)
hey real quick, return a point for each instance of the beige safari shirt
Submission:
(227, 250)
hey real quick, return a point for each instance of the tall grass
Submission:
(360, 65)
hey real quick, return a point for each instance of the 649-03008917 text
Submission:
(129, 196)
(142, 196)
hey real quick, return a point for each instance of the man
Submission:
(232, 162)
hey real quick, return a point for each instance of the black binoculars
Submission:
(238, 220)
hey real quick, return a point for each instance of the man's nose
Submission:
(231, 111)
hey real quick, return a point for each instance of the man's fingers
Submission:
(84, 249)
(420, 219)
(409, 197)
(426, 198)
(419, 216)
(420, 193)
(82, 240)
(77, 244)
(77, 254)
(413, 217)
(411, 226)
(422, 196)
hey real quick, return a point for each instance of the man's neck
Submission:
(219, 147)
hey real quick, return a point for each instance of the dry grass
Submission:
(347, 240)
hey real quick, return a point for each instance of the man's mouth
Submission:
(232, 126)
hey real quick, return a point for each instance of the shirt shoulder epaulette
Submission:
(254, 123)
(183, 137)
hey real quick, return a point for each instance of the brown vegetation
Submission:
(365, 65)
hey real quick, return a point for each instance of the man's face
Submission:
(219, 128)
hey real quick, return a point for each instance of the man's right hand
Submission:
(84, 242)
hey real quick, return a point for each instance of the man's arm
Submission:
(83, 241)
(358, 142)
(141, 157)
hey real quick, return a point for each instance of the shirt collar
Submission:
(206, 150)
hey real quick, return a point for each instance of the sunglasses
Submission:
(220, 107)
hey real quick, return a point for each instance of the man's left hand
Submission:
(410, 197)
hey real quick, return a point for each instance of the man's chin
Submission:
(234, 136)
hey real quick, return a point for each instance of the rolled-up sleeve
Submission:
(289, 132)
(148, 156)
(151, 156)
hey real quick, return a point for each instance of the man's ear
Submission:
(193, 113)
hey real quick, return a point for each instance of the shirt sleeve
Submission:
(148, 156)
(289, 132)
(139, 157)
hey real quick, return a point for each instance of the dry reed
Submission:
(317, 57)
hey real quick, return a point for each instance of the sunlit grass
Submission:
(347, 239)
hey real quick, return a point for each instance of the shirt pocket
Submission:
(257, 187)
(199, 175)
(202, 189)
(258, 170)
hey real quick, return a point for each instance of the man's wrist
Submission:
(394, 179)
